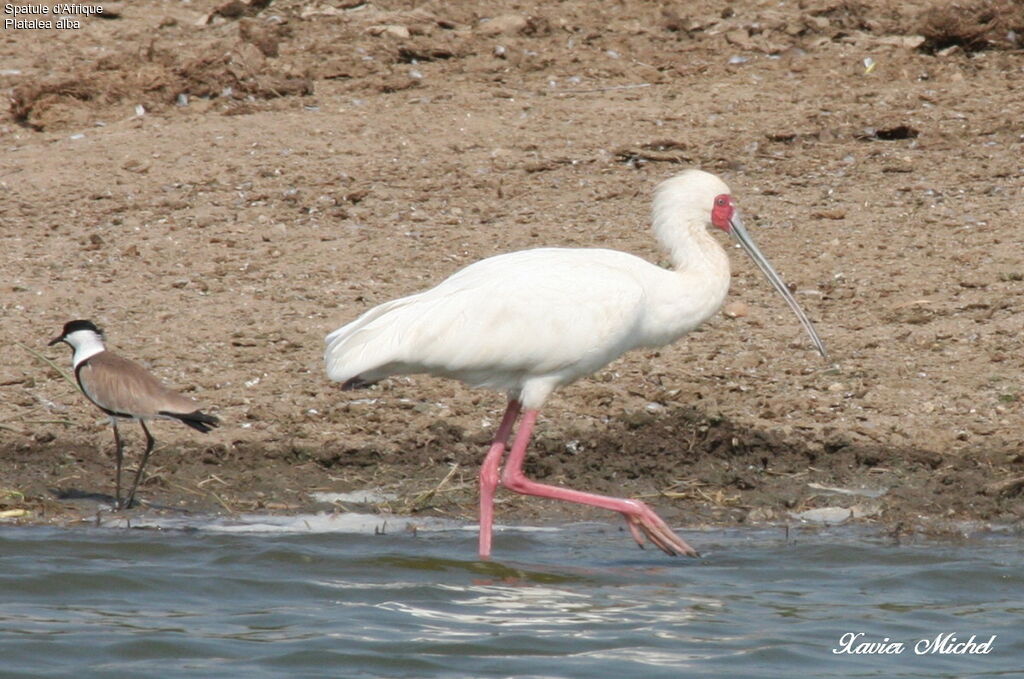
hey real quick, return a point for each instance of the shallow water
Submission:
(310, 598)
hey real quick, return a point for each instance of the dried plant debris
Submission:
(157, 78)
(973, 26)
(848, 15)
(235, 9)
(895, 133)
(25, 98)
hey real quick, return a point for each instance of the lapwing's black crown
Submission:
(75, 326)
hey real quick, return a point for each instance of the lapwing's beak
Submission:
(55, 340)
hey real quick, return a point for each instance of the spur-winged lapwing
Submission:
(124, 389)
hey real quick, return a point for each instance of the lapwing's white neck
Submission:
(86, 344)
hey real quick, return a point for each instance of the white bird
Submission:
(123, 389)
(528, 322)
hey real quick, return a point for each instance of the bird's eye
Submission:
(720, 202)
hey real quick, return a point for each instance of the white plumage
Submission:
(528, 322)
(524, 322)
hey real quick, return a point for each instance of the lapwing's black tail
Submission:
(196, 419)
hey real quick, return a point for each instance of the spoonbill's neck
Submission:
(680, 300)
(693, 251)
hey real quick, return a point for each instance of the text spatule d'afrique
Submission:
(62, 14)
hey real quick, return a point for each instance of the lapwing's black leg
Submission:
(118, 460)
(150, 442)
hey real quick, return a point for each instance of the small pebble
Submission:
(736, 309)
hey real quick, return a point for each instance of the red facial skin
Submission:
(722, 212)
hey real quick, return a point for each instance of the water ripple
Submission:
(115, 603)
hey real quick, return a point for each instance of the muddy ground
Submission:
(219, 185)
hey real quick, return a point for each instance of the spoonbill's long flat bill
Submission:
(528, 322)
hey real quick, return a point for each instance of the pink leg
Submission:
(489, 475)
(640, 518)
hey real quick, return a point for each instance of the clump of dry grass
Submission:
(156, 78)
(973, 26)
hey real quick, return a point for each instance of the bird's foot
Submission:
(644, 523)
(121, 504)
